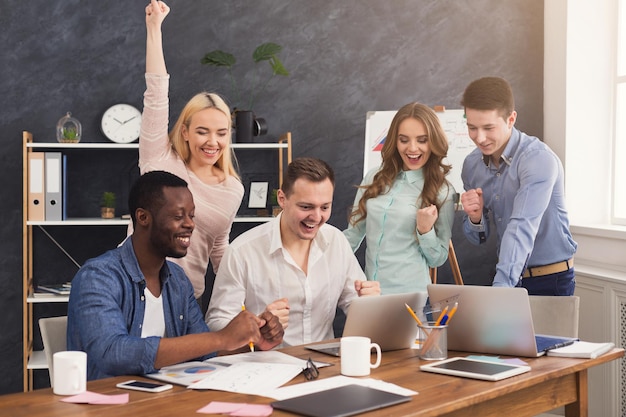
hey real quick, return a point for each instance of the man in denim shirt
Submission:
(517, 181)
(133, 312)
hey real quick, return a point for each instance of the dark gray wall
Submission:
(345, 58)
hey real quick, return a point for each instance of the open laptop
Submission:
(384, 319)
(493, 320)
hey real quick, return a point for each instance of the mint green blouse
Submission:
(395, 254)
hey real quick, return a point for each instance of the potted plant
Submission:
(276, 209)
(107, 204)
(265, 52)
(69, 134)
(68, 129)
(245, 120)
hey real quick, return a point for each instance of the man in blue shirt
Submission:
(516, 181)
(133, 312)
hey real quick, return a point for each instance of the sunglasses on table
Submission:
(310, 372)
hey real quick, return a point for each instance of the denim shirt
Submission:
(525, 198)
(106, 312)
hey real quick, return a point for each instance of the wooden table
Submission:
(552, 382)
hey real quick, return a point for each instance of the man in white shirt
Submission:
(296, 266)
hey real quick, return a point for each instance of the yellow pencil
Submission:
(251, 344)
(413, 314)
(443, 313)
(451, 313)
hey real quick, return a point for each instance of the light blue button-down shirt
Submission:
(395, 255)
(106, 313)
(525, 198)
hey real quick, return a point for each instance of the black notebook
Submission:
(342, 401)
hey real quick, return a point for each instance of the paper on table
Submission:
(304, 388)
(236, 409)
(88, 397)
(187, 373)
(266, 356)
(249, 377)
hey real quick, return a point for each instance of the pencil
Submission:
(251, 344)
(413, 314)
(441, 316)
(451, 313)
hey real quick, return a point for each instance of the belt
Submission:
(538, 271)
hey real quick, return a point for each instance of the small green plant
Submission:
(274, 197)
(108, 199)
(265, 52)
(69, 133)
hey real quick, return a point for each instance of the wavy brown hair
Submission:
(435, 170)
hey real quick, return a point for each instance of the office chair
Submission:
(53, 335)
(454, 266)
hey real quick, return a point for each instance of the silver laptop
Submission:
(384, 319)
(493, 320)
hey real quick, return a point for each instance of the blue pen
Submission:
(447, 316)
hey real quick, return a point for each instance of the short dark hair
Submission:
(489, 93)
(312, 169)
(147, 192)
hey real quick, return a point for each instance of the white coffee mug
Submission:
(356, 355)
(69, 372)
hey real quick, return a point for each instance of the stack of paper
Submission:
(580, 349)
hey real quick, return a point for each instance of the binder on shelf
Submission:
(36, 197)
(64, 187)
(53, 188)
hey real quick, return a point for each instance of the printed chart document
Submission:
(186, 373)
(249, 377)
(580, 349)
(247, 373)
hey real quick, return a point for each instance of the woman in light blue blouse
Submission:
(405, 207)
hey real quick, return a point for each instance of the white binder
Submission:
(54, 188)
(36, 203)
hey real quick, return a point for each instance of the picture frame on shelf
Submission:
(258, 194)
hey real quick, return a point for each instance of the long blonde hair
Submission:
(435, 170)
(227, 161)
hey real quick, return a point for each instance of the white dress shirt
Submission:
(256, 270)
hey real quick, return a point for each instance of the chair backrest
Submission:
(454, 267)
(53, 336)
(554, 315)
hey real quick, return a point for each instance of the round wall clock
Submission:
(121, 123)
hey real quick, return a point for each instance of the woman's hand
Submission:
(426, 218)
(155, 13)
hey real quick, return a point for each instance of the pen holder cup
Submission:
(432, 341)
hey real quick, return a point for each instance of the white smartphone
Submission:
(144, 386)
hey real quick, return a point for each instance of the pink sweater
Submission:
(216, 205)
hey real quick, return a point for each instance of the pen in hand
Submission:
(251, 344)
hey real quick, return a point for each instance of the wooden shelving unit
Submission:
(36, 359)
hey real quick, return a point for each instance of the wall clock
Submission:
(121, 123)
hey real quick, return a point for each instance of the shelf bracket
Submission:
(58, 245)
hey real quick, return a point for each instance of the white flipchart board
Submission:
(453, 122)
